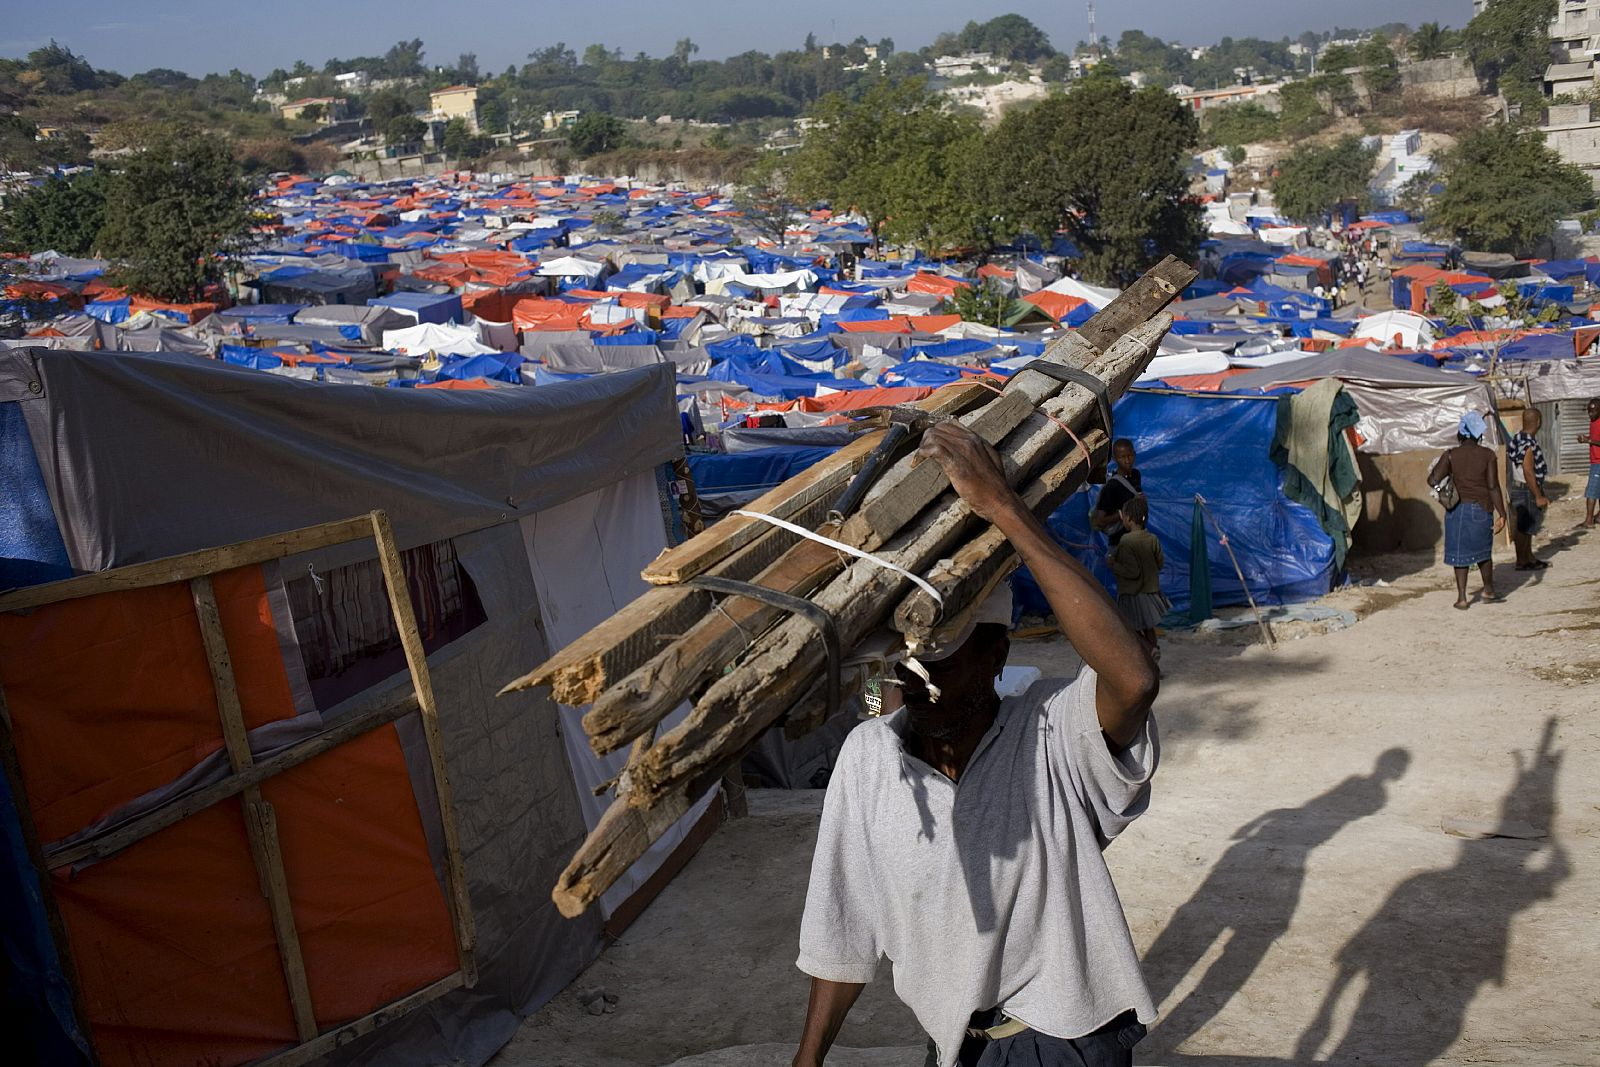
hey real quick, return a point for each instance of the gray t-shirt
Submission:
(991, 891)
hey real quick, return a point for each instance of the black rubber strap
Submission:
(1076, 376)
(796, 605)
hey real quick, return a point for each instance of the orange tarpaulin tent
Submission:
(1057, 305)
(935, 284)
(171, 938)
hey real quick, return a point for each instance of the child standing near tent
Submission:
(1136, 560)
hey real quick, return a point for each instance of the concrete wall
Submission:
(1449, 78)
(1577, 144)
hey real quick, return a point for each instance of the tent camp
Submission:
(521, 516)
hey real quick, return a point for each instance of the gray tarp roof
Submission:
(129, 443)
(1349, 364)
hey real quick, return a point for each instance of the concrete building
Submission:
(1401, 160)
(456, 102)
(1573, 130)
(326, 109)
(963, 65)
(1202, 100)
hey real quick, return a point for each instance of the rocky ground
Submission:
(1322, 875)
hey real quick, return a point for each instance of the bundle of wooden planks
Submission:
(748, 665)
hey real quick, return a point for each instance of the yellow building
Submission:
(324, 109)
(457, 102)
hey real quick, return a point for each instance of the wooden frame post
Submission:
(260, 823)
(394, 577)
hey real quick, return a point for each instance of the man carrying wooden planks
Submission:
(962, 835)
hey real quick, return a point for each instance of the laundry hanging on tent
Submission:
(1319, 464)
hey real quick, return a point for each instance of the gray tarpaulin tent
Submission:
(543, 501)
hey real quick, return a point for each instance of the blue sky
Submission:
(134, 35)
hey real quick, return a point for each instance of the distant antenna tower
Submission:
(1094, 38)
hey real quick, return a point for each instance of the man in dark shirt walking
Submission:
(1526, 482)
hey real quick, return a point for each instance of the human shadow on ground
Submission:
(1442, 934)
(1251, 894)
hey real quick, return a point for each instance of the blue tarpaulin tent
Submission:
(1217, 447)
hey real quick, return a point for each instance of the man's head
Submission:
(965, 680)
(1122, 452)
(1532, 419)
(1594, 408)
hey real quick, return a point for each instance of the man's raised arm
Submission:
(1128, 681)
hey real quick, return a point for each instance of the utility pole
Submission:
(1094, 38)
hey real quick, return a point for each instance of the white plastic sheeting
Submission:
(442, 339)
(1414, 330)
(571, 267)
(1415, 419)
(790, 281)
(1094, 294)
(586, 556)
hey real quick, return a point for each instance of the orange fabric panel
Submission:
(538, 314)
(850, 400)
(679, 312)
(456, 383)
(91, 740)
(895, 324)
(932, 323)
(172, 937)
(173, 945)
(371, 914)
(492, 304)
(1203, 383)
(936, 284)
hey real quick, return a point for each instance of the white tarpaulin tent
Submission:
(1413, 330)
(440, 338)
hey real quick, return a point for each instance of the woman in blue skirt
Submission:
(1469, 529)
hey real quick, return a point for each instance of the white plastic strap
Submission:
(812, 535)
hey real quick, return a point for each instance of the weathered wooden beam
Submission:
(700, 553)
(644, 698)
(908, 487)
(964, 578)
(761, 689)
(585, 668)
(405, 620)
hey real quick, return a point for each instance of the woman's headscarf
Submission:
(1473, 426)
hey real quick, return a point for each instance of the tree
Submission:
(1380, 70)
(1316, 178)
(1504, 190)
(1238, 124)
(461, 143)
(899, 156)
(1509, 42)
(404, 129)
(596, 132)
(467, 68)
(386, 105)
(64, 214)
(177, 210)
(1006, 37)
(1105, 163)
(763, 199)
(1430, 41)
(404, 60)
(1234, 154)
(984, 303)
(313, 112)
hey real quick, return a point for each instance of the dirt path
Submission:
(1292, 888)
